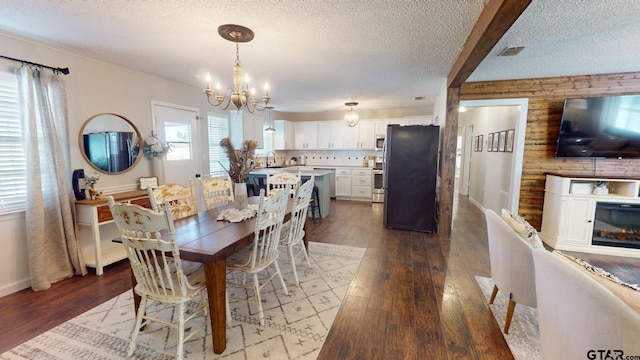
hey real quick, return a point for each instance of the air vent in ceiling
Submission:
(511, 51)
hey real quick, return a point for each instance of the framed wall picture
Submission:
(490, 142)
(510, 135)
(496, 140)
(502, 141)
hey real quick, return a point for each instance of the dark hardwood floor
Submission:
(414, 296)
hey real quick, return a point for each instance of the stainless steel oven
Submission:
(377, 183)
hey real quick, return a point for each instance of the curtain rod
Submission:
(61, 70)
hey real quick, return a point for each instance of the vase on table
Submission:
(240, 195)
(157, 168)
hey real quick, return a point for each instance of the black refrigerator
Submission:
(410, 165)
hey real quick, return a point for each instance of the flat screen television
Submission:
(600, 127)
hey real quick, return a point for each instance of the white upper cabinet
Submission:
(283, 138)
(330, 134)
(419, 120)
(245, 126)
(381, 125)
(306, 135)
(361, 136)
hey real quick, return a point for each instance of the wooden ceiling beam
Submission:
(494, 21)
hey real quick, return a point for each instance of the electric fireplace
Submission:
(617, 224)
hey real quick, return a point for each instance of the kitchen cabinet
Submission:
(381, 125)
(361, 136)
(361, 183)
(343, 182)
(245, 126)
(283, 138)
(306, 135)
(331, 134)
(419, 120)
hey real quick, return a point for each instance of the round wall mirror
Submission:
(110, 143)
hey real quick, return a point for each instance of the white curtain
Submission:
(53, 248)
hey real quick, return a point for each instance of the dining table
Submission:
(205, 239)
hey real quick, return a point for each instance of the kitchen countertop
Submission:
(291, 169)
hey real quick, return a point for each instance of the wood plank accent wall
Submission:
(546, 100)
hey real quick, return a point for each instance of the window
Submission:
(13, 169)
(218, 129)
(178, 136)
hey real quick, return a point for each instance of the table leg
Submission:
(216, 277)
(304, 238)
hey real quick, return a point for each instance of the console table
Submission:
(570, 220)
(96, 213)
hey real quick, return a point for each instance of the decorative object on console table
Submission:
(91, 181)
(241, 163)
(155, 151)
(77, 191)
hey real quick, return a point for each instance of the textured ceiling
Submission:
(317, 55)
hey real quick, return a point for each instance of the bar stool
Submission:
(315, 204)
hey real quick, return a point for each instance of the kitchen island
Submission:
(321, 178)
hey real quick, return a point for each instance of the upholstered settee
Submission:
(579, 317)
(511, 262)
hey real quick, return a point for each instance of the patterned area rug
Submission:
(295, 325)
(523, 337)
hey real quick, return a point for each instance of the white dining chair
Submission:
(149, 239)
(256, 258)
(283, 180)
(293, 230)
(181, 198)
(216, 192)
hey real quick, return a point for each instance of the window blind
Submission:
(218, 127)
(13, 178)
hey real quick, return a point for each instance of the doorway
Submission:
(494, 177)
(177, 126)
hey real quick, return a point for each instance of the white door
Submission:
(178, 127)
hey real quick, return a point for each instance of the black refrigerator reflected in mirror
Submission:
(110, 143)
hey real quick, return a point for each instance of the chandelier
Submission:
(351, 118)
(241, 98)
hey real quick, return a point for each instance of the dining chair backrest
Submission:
(216, 192)
(301, 202)
(181, 199)
(283, 180)
(149, 239)
(268, 226)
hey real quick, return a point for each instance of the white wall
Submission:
(92, 87)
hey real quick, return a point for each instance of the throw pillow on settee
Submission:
(523, 228)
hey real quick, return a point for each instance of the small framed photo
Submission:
(490, 142)
(510, 135)
(146, 182)
(496, 140)
(502, 141)
(479, 140)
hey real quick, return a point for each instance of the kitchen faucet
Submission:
(274, 157)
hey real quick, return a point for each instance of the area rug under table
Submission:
(295, 325)
(523, 337)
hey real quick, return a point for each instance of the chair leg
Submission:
(256, 289)
(137, 325)
(293, 264)
(510, 308)
(180, 341)
(493, 294)
(306, 256)
(284, 286)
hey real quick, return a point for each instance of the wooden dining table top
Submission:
(202, 236)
